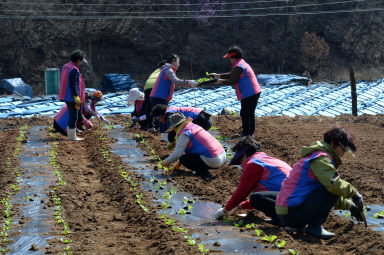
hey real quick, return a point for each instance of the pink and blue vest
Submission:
(247, 85)
(300, 183)
(200, 141)
(274, 171)
(163, 87)
(64, 89)
(62, 118)
(186, 111)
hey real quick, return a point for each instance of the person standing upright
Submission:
(162, 90)
(72, 91)
(246, 86)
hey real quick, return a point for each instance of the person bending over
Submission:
(262, 175)
(197, 149)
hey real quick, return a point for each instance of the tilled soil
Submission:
(101, 209)
(104, 218)
(282, 137)
(9, 132)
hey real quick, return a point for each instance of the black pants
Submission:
(74, 115)
(194, 163)
(147, 107)
(155, 101)
(247, 114)
(264, 201)
(203, 120)
(313, 212)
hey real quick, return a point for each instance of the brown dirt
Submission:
(101, 209)
(8, 135)
(282, 137)
(104, 218)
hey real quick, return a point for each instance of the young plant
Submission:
(191, 241)
(239, 224)
(293, 252)
(281, 244)
(250, 226)
(269, 239)
(378, 215)
(258, 231)
(182, 211)
(202, 250)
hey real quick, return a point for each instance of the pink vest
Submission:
(200, 141)
(64, 90)
(247, 85)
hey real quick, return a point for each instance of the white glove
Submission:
(214, 75)
(106, 121)
(220, 213)
(193, 83)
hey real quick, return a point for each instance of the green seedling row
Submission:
(12, 189)
(57, 200)
(168, 195)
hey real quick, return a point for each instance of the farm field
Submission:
(107, 211)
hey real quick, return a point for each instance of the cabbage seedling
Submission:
(258, 231)
(378, 215)
(202, 250)
(172, 190)
(169, 222)
(281, 244)
(293, 252)
(191, 241)
(269, 239)
(249, 226)
(182, 212)
(239, 224)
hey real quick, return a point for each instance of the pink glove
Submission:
(87, 123)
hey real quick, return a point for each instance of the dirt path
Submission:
(282, 137)
(101, 210)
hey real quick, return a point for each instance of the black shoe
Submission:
(206, 176)
(240, 135)
(273, 222)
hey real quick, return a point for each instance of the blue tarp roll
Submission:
(16, 86)
(117, 82)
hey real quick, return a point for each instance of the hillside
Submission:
(36, 36)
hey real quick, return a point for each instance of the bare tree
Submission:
(314, 52)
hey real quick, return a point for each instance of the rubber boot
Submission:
(72, 135)
(319, 231)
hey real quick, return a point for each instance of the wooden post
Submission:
(353, 91)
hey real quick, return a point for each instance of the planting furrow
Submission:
(34, 180)
(101, 208)
(10, 174)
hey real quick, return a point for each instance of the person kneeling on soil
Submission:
(138, 115)
(262, 174)
(202, 150)
(198, 116)
(314, 187)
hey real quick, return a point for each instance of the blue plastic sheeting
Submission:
(16, 86)
(281, 79)
(117, 82)
(289, 99)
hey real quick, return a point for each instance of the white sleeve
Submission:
(181, 145)
(172, 76)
